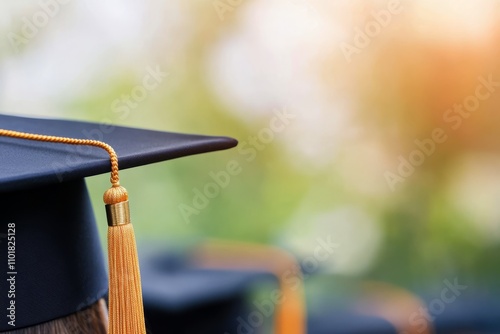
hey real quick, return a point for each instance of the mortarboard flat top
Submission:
(26, 164)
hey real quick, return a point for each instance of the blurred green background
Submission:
(362, 81)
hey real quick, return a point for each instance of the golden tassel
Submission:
(126, 314)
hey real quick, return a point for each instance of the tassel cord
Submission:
(115, 178)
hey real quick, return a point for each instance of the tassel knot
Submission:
(115, 194)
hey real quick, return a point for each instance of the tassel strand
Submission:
(126, 313)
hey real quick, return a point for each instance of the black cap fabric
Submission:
(27, 164)
(48, 235)
(51, 254)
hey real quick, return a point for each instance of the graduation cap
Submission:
(207, 290)
(182, 297)
(50, 248)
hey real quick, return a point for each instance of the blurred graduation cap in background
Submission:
(208, 290)
(182, 297)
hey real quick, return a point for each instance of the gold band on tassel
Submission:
(118, 214)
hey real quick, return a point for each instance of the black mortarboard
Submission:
(181, 297)
(50, 248)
